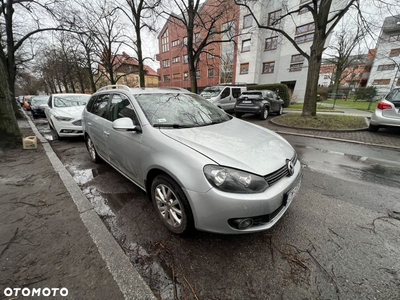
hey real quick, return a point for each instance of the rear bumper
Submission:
(378, 119)
(248, 109)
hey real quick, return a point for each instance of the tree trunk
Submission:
(10, 134)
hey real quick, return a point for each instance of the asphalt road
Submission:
(338, 240)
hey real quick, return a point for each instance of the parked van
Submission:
(223, 96)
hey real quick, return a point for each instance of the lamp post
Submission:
(395, 76)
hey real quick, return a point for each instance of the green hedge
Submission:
(283, 90)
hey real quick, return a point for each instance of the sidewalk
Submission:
(50, 236)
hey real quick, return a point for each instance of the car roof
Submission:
(145, 90)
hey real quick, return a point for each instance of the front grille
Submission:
(273, 177)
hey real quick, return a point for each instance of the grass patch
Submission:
(360, 104)
(325, 122)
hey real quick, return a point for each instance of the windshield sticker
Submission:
(163, 120)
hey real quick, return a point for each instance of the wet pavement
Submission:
(336, 241)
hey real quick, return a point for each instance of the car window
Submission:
(120, 107)
(100, 105)
(188, 110)
(236, 92)
(394, 96)
(89, 105)
(226, 93)
(70, 100)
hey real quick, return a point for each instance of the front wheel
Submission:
(92, 150)
(264, 113)
(171, 205)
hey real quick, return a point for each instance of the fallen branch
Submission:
(191, 288)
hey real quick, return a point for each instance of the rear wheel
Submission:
(373, 128)
(92, 150)
(238, 115)
(264, 113)
(171, 205)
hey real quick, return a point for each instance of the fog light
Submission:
(241, 223)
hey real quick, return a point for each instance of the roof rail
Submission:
(114, 86)
(233, 84)
(174, 88)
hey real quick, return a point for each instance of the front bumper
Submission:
(213, 210)
(67, 129)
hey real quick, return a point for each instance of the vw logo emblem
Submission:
(290, 167)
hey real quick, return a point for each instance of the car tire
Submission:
(238, 115)
(264, 113)
(280, 111)
(373, 128)
(171, 205)
(92, 150)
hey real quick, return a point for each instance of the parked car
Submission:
(27, 102)
(64, 113)
(201, 167)
(387, 113)
(20, 100)
(259, 102)
(223, 96)
(38, 104)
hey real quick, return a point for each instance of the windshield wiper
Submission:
(174, 125)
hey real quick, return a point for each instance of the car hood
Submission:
(237, 144)
(74, 112)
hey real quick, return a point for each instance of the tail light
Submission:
(384, 105)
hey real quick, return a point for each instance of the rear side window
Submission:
(394, 96)
(236, 92)
(99, 107)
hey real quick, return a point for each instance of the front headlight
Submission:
(59, 118)
(234, 181)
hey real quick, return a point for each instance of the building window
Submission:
(271, 43)
(198, 73)
(296, 67)
(304, 38)
(268, 67)
(210, 54)
(297, 58)
(175, 43)
(247, 21)
(273, 18)
(176, 59)
(176, 76)
(165, 63)
(305, 9)
(185, 59)
(210, 73)
(326, 76)
(246, 45)
(165, 41)
(167, 78)
(244, 68)
(381, 82)
(394, 52)
(197, 37)
(185, 40)
(386, 67)
(305, 28)
(394, 38)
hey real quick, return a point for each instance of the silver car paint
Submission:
(182, 154)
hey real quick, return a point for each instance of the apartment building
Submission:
(218, 60)
(259, 56)
(385, 70)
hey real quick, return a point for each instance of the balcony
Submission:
(391, 24)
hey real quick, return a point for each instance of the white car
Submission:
(64, 113)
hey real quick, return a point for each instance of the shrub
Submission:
(365, 93)
(282, 88)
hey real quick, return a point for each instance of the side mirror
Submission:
(125, 124)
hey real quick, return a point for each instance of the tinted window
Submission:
(394, 96)
(226, 93)
(235, 92)
(100, 105)
(120, 107)
(89, 106)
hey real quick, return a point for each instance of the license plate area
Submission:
(289, 196)
(247, 102)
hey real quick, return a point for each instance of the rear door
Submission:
(96, 118)
(394, 97)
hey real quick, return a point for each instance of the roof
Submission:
(125, 59)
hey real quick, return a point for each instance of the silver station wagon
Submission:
(202, 168)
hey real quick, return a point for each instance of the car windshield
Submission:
(211, 92)
(39, 100)
(70, 100)
(180, 110)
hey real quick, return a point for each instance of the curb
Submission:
(129, 281)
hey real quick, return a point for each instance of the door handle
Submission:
(89, 123)
(106, 133)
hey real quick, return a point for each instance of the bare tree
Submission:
(325, 17)
(211, 20)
